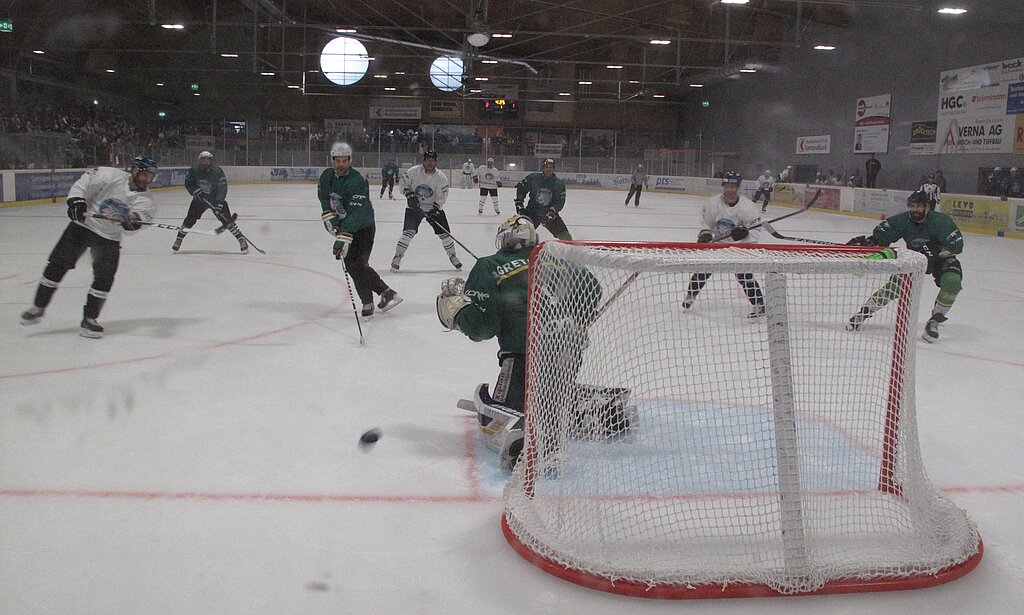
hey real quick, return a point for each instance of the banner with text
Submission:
(978, 107)
(817, 144)
(395, 113)
(976, 213)
(922, 138)
(871, 124)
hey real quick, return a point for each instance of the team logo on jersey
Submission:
(724, 226)
(205, 185)
(424, 193)
(544, 196)
(336, 205)
(489, 177)
(115, 209)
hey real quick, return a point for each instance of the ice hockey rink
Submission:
(203, 457)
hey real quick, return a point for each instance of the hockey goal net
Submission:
(698, 452)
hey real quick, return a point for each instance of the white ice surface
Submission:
(202, 457)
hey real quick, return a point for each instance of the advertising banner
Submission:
(922, 138)
(974, 213)
(395, 113)
(446, 108)
(1018, 216)
(977, 112)
(829, 198)
(302, 174)
(871, 124)
(816, 144)
(881, 202)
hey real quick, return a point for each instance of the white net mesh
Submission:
(675, 447)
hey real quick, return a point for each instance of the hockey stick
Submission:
(352, 298)
(218, 211)
(169, 227)
(771, 231)
(436, 226)
(809, 204)
(615, 295)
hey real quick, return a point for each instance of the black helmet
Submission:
(919, 197)
(732, 177)
(430, 154)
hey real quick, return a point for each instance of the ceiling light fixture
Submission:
(657, 96)
(480, 79)
(172, 26)
(696, 85)
(110, 70)
(229, 55)
(735, 1)
(660, 41)
(825, 47)
(267, 74)
(747, 70)
(586, 82)
(615, 66)
(502, 35)
(39, 51)
(489, 61)
(345, 30)
(952, 11)
(390, 89)
(565, 93)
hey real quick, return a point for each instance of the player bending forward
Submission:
(103, 205)
(426, 189)
(492, 303)
(933, 234)
(729, 215)
(206, 183)
(344, 196)
(546, 200)
(487, 178)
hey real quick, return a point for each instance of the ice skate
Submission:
(455, 262)
(931, 328)
(243, 245)
(91, 328)
(367, 310)
(32, 316)
(396, 264)
(388, 300)
(177, 244)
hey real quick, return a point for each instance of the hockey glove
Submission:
(341, 245)
(412, 201)
(551, 214)
(76, 208)
(452, 287)
(498, 184)
(863, 240)
(201, 195)
(705, 236)
(520, 208)
(133, 223)
(331, 222)
(739, 233)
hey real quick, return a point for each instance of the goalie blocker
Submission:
(598, 413)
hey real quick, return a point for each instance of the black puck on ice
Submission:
(370, 436)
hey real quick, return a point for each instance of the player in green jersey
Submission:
(933, 234)
(546, 199)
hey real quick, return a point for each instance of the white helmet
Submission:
(341, 149)
(205, 154)
(490, 160)
(767, 171)
(516, 233)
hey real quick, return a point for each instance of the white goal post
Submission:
(696, 453)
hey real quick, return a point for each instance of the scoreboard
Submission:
(498, 107)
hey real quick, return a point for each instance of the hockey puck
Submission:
(369, 437)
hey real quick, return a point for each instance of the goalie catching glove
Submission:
(332, 222)
(76, 208)
(341, 245)
(451, 301)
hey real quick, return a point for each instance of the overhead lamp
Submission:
(586, 82)
(735, 1)
(399, 72)
(480, 34)
(229, 55)
(480, 79)
(660, 41)
(502, 35)
(267, 74)
(565, 93)
(824, 47)
(478, 39)
(390, 89)
(293, 87)
(380, 76)
(475, 91)
(615, 66)
(488, 61)
(110, 70)
(633, 81)
(39, 51)
(657, 96)
(345, 30)
(696, 85)
(196, 94)
(952, 11)
(160, 84)
(162, 114)
(748, 70)
(172, 26)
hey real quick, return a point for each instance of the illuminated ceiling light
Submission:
(160, 84)
(696, 85)
(196, 94)
(345, 30)
(633, 81)
(952, 11)
(657, 96)
(480, 79)
(267, 74)
(399, 72)
(478, 39)
(229, 55)
(380, 76)
(446, 73)
(735, 1)
(162, 114)
(475, 91)
(39, 51)
(489, 61)
(501, 35)
(172, 26)
(344, 60)
(660, 41)
(110, 70)
(825, 47)
(565, 93)
(390, 89)
(586, 82)
(748, 70)
(615, 66)
(293, 87)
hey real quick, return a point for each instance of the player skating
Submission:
(546, 199)
(206, 183)
(103, 205)
(467, 174)
(486, 176)
(637, 183)
(426, 189)
(492, 303)
(729, 215)
(765, 186)
(388, 176)
(933, 234)
(348, 216)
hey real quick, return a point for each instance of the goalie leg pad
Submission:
(501, 426)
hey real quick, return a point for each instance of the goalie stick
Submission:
(765, 223)
(169, 227)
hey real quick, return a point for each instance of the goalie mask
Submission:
(515, 234)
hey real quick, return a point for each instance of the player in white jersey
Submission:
(486, 176)
(467, 173)
(765, 186)
(426, 189)
(103, 205)
(729, 217)
(931, 188)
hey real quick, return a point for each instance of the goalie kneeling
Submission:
(492, 303)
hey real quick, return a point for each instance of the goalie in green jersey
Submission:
(933, 234)
(493, 303)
